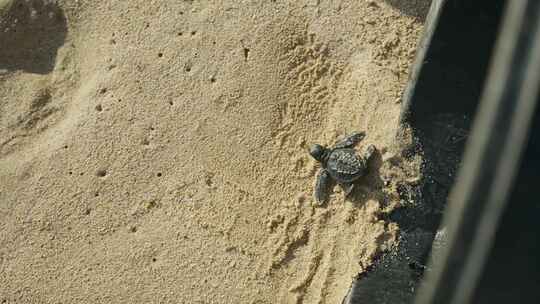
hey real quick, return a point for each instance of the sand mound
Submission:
(156, 151)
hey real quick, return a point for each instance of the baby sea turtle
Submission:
(341, 164)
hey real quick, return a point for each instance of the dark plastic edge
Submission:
(430, 25)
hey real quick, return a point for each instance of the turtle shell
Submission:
(344, 165)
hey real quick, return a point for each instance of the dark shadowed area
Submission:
(415, 8)
(30, 34)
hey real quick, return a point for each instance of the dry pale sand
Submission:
(155, 151)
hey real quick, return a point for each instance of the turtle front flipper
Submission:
(350, 141)
(322, 186)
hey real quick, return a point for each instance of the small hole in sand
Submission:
(180, 33)
(101, 172)
(154, 259)
(96, 194)
(171, 102)
(133, 229)
(103, 91)
(150, 205)
(246, 53)
(87, 211)
(158, 174)
(152, 128)
(193, 33)
(99, 108)
(66, 146)
(81, 174)
(212, 79)
(160, 55)
(70, 172)
(188, 68)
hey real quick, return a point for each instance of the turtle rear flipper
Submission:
(347, 188)
(370, 151)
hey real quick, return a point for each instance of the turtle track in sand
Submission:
(317, 250)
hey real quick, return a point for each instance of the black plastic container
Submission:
(492, 251)
(477, 61)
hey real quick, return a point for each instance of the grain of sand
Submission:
(155, 151)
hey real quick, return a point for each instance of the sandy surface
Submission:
(155, 151)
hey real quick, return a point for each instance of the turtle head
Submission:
(318, 152)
